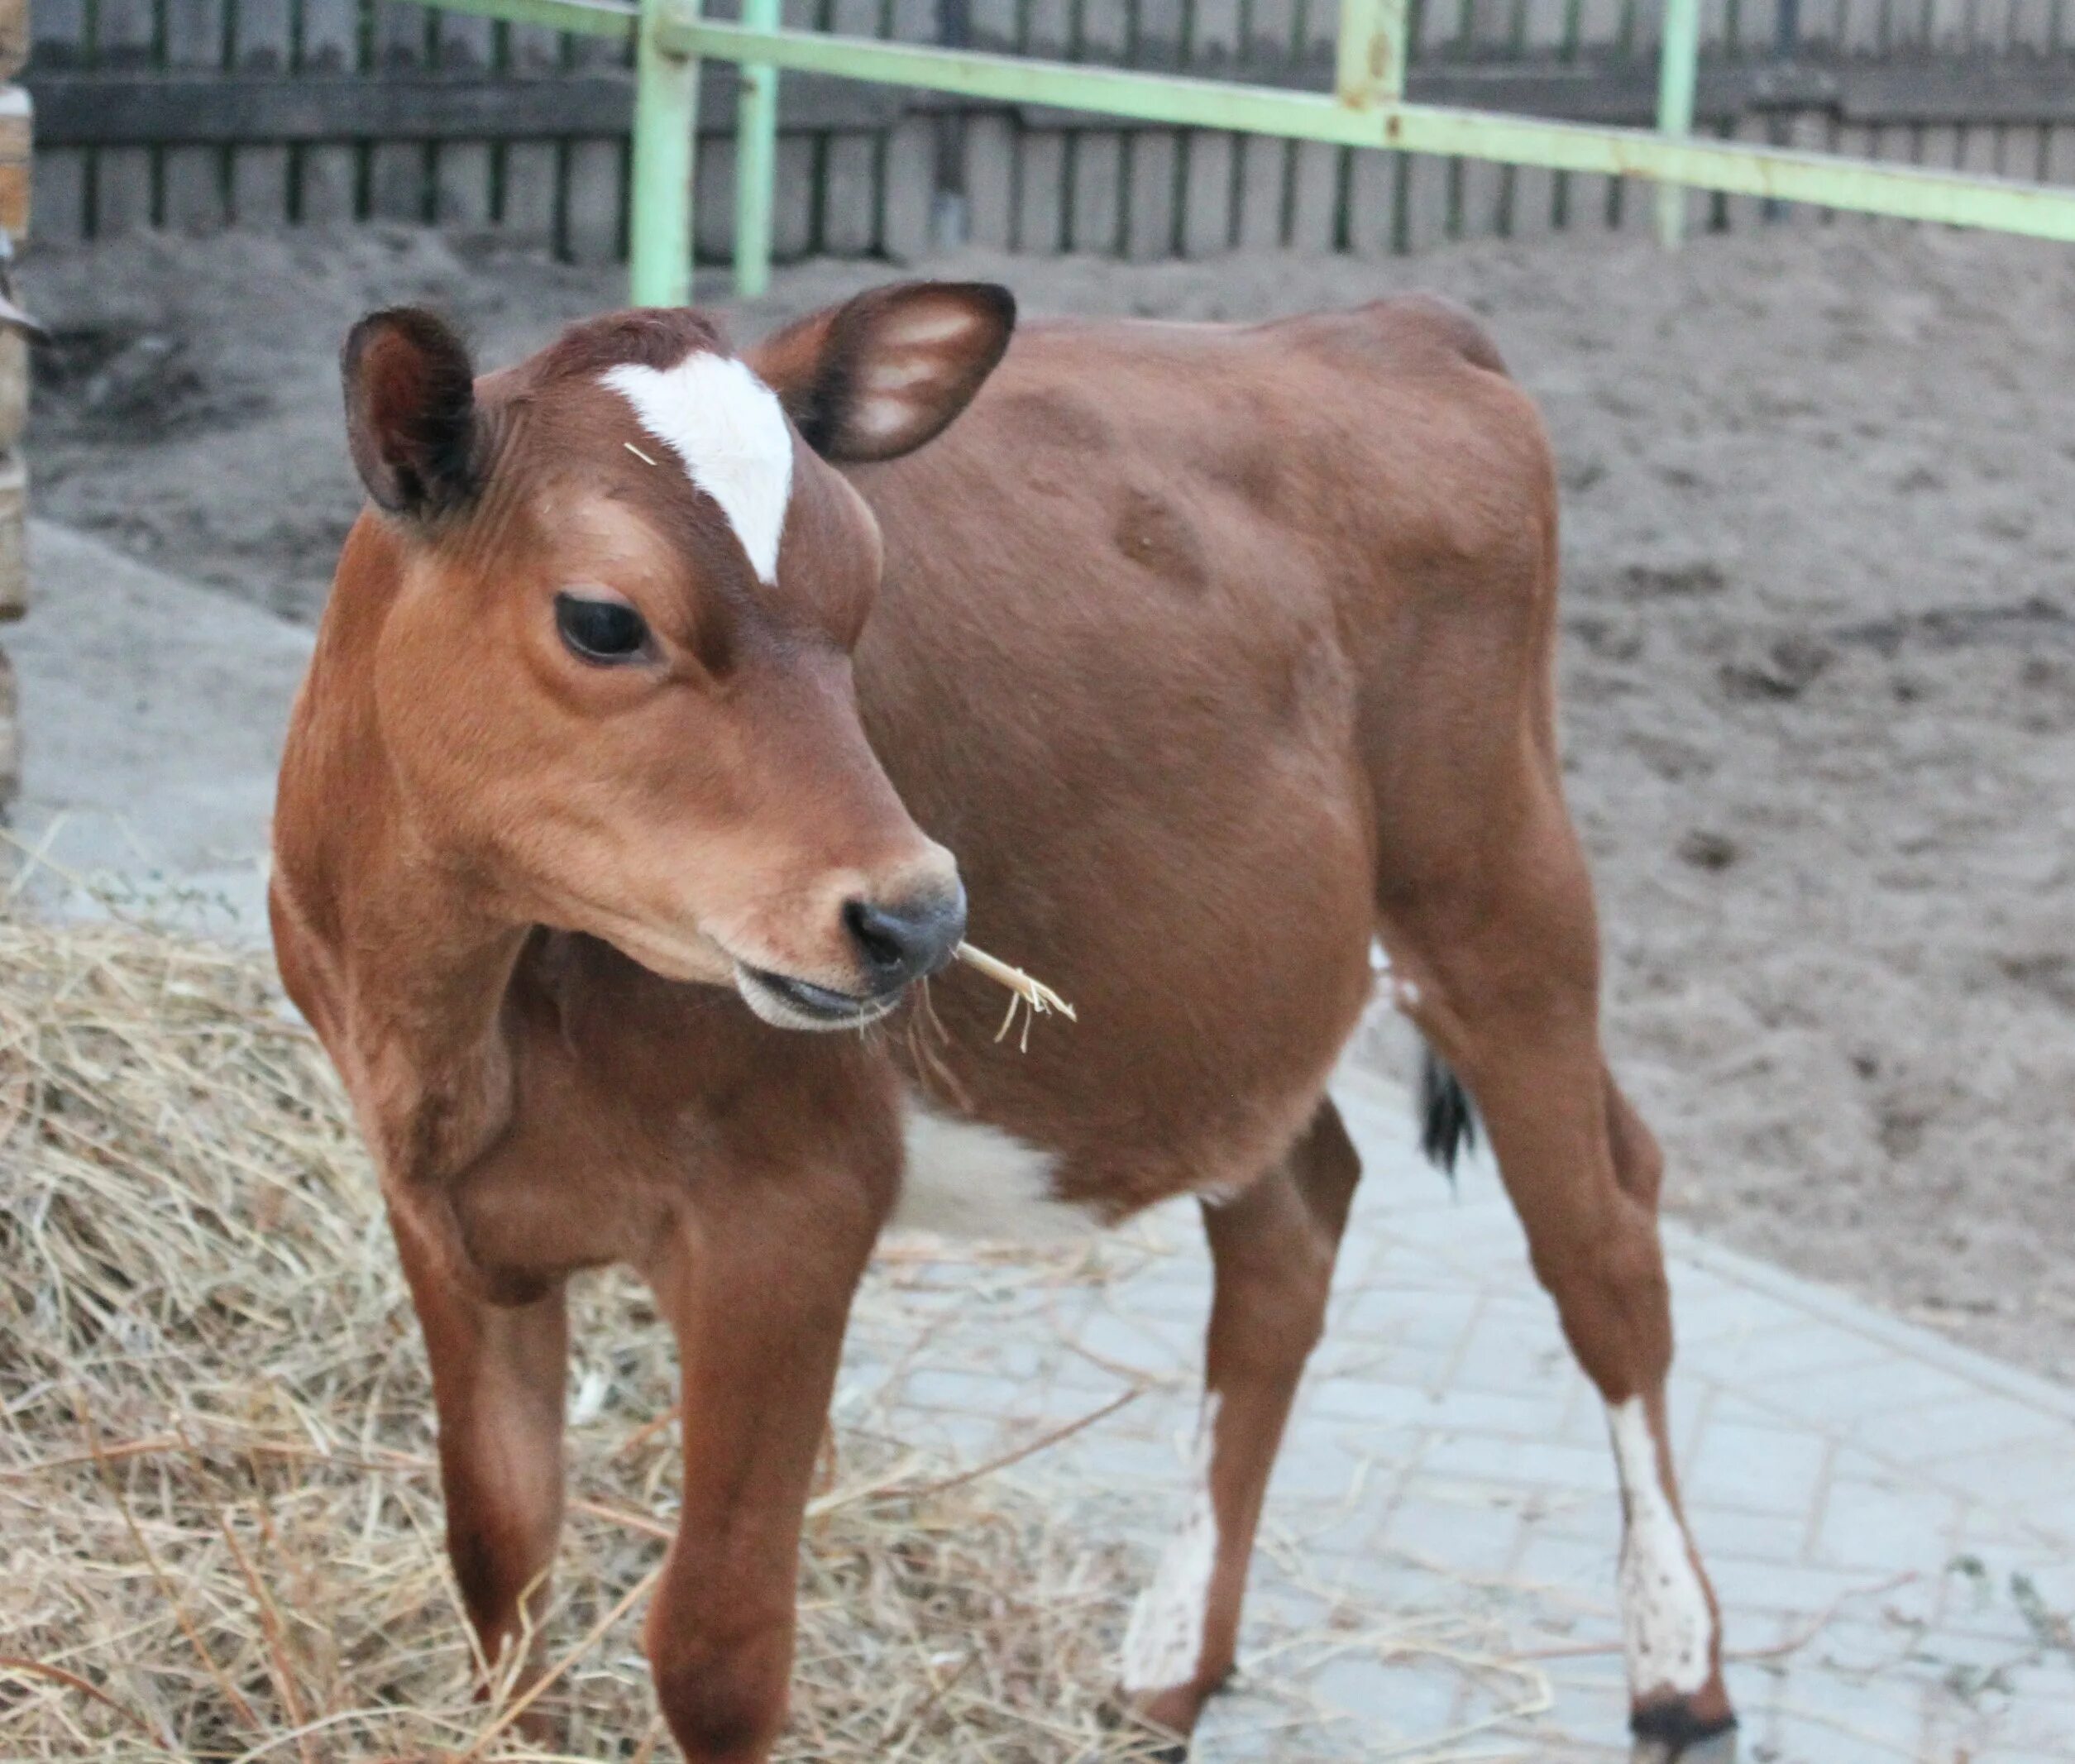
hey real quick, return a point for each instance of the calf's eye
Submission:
(604, 631)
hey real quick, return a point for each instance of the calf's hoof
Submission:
(1163, 1720)
(1680, 1733)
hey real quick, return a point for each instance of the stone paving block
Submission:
(1841, 1400)
(1395, 1703)
(1757, 1536)
(1467, 1537)
(1425, 1322)
(1748, 1587)
(1765, 1470)
(1899, 1527)
(1935, 1431)
(2013, 1475)
(1790, 1348)
(1495, 1458)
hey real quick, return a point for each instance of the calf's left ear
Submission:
(880, 375)
(410, 412)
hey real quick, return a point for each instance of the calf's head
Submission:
(611, 673)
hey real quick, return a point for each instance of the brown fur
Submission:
(1209, 653)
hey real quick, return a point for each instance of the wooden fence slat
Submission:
(1988, 25)
(1938, 145)
(462, 171)
(195, 184)
(1209, 159)
(2032, 24)
(713, 202)
(1044, 175)
(1041, 197)
(1265, 164)
(907, 217)
(1095, 158)
(908, 196)
(261, 43)
(990, 179)
(796, 211)
(60, 177)
(1588, 202)
(327, 187)
(1315, 196)
(124, 30)
(1263, 191)
(1947, 24)
(1758, 28)
(1372, 203)
(1153, 156)
(594, 210)
(1531, 202)
(850, 173)
(526, 174)
(398, 186)
(2023, 152)
(1424, 202)
(1096, 168)
(2060, 155)
(1207, 171)
(1152, 163)
(1480, 186)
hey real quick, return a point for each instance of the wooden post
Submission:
(14, 383)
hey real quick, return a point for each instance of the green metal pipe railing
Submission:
(1366, 108)
(665, 141)
(756, 160)
(1678, 73)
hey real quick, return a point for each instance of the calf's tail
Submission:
(1447, 1117)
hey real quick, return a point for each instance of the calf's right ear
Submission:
(884, 372)
(410, 412)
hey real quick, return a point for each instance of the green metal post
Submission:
(1678, 73)
(756, 159)
(1369, 63)
(666, 124)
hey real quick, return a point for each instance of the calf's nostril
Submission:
(878, 934)
(902, 942)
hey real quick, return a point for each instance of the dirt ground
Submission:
(1819, 657)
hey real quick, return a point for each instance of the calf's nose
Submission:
(899, 941)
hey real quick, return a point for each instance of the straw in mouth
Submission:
(1033, 996)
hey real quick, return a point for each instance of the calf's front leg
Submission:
(499, 1373)
(758, 1289)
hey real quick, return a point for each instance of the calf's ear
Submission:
(880, 375)
(410, 412)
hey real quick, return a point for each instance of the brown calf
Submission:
(1214, 654)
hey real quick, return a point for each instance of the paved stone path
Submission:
(1890, 1520)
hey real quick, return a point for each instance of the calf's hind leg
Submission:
(1501, 955)
(1272, 1252)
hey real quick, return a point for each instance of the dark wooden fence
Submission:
(199, 114)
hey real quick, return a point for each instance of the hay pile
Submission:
(220, 1529)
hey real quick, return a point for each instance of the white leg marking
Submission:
(1667, 1633)
(963, 1178)
(1163, 1641)
(726, 425)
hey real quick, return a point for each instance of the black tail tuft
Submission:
(1447, 1118)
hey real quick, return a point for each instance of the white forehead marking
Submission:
(726, 424)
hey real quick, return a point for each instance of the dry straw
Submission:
(218, 1510)
(220, 1519)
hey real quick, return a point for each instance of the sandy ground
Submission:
(1819, 657)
